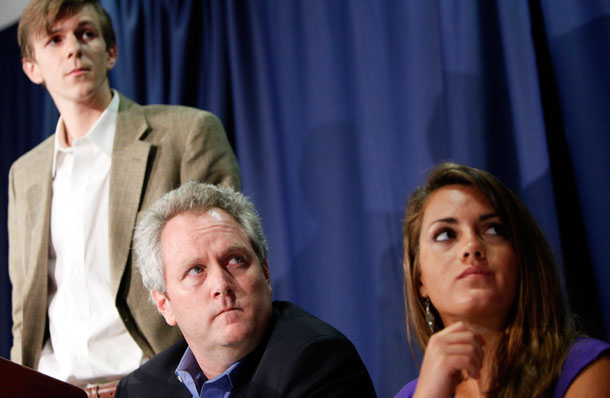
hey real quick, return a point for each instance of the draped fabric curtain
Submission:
(336, 109)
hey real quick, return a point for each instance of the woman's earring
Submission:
(430, 320)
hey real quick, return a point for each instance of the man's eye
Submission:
(87, 35)
(196, 270)
(54, 40)
(444, 235)
(235, 260)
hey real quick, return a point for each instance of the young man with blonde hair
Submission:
(80, 312)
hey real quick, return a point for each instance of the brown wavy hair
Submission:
(40, 16)
(538, 328)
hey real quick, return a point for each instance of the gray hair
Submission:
(192, 197)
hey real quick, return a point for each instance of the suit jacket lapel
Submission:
(127, 174)
(36, 254)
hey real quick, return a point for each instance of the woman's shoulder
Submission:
(408, 390)
(584, 351)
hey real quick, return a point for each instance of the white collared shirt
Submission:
(88, 341)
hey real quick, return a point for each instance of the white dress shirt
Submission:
(88, 341)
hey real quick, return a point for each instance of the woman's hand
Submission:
(448, 352)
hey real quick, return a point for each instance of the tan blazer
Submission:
(156, 148)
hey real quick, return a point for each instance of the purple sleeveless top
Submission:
(584, 351)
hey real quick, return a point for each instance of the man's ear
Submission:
(266, 273)
(113, 53)
(164, 307)
(31, 70)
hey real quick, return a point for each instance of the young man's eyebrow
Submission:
(51, 31)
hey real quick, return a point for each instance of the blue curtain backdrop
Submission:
(336, 108)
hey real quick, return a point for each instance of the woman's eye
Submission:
(496, 230)
(444, 235)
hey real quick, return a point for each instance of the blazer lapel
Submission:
(127, 174)
(36, 254)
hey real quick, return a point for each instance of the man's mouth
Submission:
(226, 310)
(78, 71)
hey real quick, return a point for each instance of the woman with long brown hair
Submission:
(483, 297)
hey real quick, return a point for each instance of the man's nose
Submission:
(73, 45)
(221, 282)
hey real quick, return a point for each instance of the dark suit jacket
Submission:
(301, 356)
(156, 149)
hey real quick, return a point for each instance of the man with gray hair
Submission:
(202, 254)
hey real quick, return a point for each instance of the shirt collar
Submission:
(189, 373)
(101, 134)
